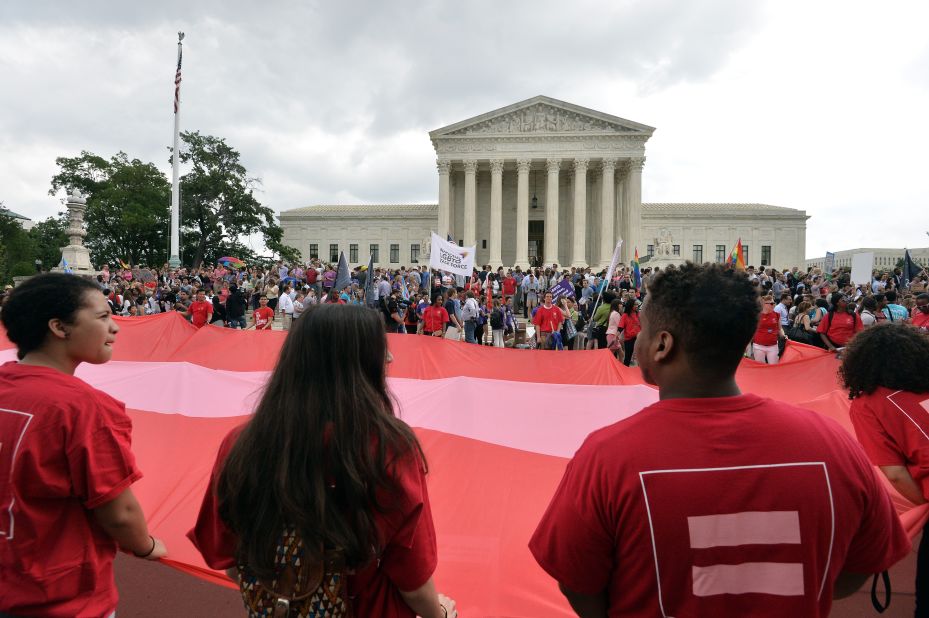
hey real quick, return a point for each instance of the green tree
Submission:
(128, 211)
(17, 252)
(48, 237)
(218, 205)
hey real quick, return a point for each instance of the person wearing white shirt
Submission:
(286, 306)
(783, 310)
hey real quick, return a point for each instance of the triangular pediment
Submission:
(542, 114)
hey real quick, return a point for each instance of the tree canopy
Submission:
(127, 212)
(218, 204)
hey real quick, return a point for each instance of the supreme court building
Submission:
(545, 181)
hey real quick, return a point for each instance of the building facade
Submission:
(544, 181)
(884, 259)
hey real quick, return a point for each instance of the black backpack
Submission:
(496, 319)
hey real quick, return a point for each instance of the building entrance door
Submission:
(536, 240)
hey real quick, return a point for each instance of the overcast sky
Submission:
(820, 106)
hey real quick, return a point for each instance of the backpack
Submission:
(496, 319)
(299, 589)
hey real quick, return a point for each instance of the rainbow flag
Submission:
(635, 270)
(737, 257)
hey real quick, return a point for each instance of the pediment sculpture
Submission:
(540, 118)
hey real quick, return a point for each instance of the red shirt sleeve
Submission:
(99, 452)
(410, 554)
(573, 543)
(216, 543)
(880, 447)
(823, 325)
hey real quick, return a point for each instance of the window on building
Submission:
(460, 243)
(745, 253)
(484, 244)
(414, 254)
(720, 253)
(353, 253)
(676, 249)
(375, 253)
(394, 254)
(333, 253)
(650, 250)
(314, 251)
(698, 254)
(765, 255)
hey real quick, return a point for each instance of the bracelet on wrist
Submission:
(149, 552)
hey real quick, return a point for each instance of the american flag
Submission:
(177, 82)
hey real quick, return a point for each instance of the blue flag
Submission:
(562, 289)
(343, 277)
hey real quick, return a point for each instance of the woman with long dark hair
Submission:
(884, 372)
(838, 327)
(325, 458)
(66, 457)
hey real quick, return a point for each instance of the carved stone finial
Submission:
(553, 165)
(443, 165)
(76, 198)
(496, 166)
(523, 165)
(470, 166)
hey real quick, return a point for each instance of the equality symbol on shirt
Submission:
(718, 533)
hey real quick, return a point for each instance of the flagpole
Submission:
(174, 261)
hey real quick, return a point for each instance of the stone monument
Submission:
(664, 251)
(75, 258)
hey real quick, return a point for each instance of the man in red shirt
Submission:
(711, 502)
(263, 317)
(547, 320)
(920, 317)
(509, 286)
(200, 311)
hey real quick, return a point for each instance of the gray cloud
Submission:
(313, 94)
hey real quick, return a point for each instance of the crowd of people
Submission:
(325, 475)
(563, 308)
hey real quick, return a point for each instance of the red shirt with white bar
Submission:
(64, 450)
(893, 428)
(736, 506)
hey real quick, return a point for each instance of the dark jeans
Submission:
(922, 576)
(628, 348)
(238, 322)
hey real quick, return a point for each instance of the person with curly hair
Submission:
(884, 372)
(687, 507)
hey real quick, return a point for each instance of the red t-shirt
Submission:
(200, 312)
(548, 319)
(629, 323)
(263, 317)
(735, 506)
(509, 286)
(311, 275)
(435, 318)
(845, 327)
(920, 319)
(408, 559)
(892, 427)
(769, 325)
(64, 450)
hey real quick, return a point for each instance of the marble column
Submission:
(579, 246)
(633, 205)
(470, 203)
(607, 241)
(496, 213)
(551, 213)
(522, 213)
(444, 167)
